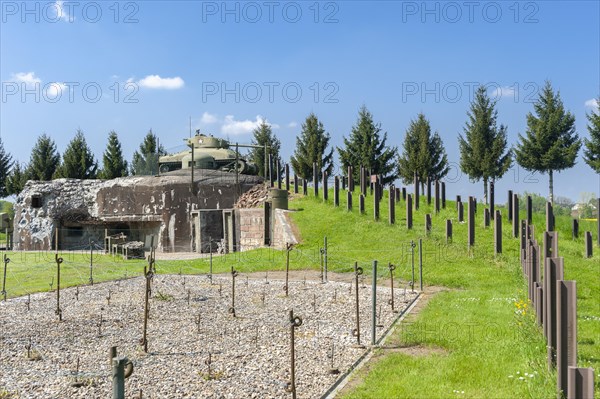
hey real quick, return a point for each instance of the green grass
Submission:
(485, 338)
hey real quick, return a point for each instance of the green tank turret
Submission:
(208, 153)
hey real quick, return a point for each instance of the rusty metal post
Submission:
(549, 217)
(391, 268)
(315, 180)
(58, 310)
(91, 279)
(144, 340)
(374, 304)
(336, 191)
(325, 187)
(295, 183)
(271, 177)
(566, 339)
(304, 187)
(471, 222)
(486, 218)
(412, 261)
(588, 244)
(580, 382)
(416, 194)
(492, 201)
(350, 178)
(392, 206)
(550, 242)
(461, 212)
(349, 201)
(403, 193)
(539, 304)
(234, 274)
(448, 231)
(428, 193)
(575, 229)
(421, 263)
(361, 204)
(376, 203)
(288, 247)
(529, 207)
(356, 332)
(498, 233)
(427, 223)
(6, 261)
(515, 211)
(295, 322)
(409, 221)
(287, 177)
(510, 205)
(443, 195)
(325, 259)
(436, 202)
(554, 271)
(363, 182)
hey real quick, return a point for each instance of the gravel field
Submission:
(189, 322)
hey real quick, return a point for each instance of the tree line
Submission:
(550, 144)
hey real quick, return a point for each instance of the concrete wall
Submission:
(251, 225)
(157, 204)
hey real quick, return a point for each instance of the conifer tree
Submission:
(5, 165)
(483, 152)
(44, 160)
(145, 162)
(311, 146)
(364, 147)
(422, 153)
(16, 179)
(263, 135)
(591, 153)
(113, 163)
(551, 142)
(78, 160)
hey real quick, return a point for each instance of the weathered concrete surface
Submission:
(142, 205)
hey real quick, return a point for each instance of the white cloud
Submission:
(505, 91)
(292, 124)
(592, 103)
(208, 118)
(28, 78)
(156, 82)
(61, 13)
(236, 128)
(55, 90)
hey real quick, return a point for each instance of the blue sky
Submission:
(134, 65)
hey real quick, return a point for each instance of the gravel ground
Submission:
(189, 322)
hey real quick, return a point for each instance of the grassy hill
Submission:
(478, 336)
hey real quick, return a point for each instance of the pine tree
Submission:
(44, 159)
(263, 135)
(113, 164)
(311, 146)
(145, 162)
(422, 153)
(5, 165)
(483, 153)
(551, 142)
(366, 148)
(16, 179)
(78, 160)
(591, 154)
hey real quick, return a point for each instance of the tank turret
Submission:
(208, 153)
